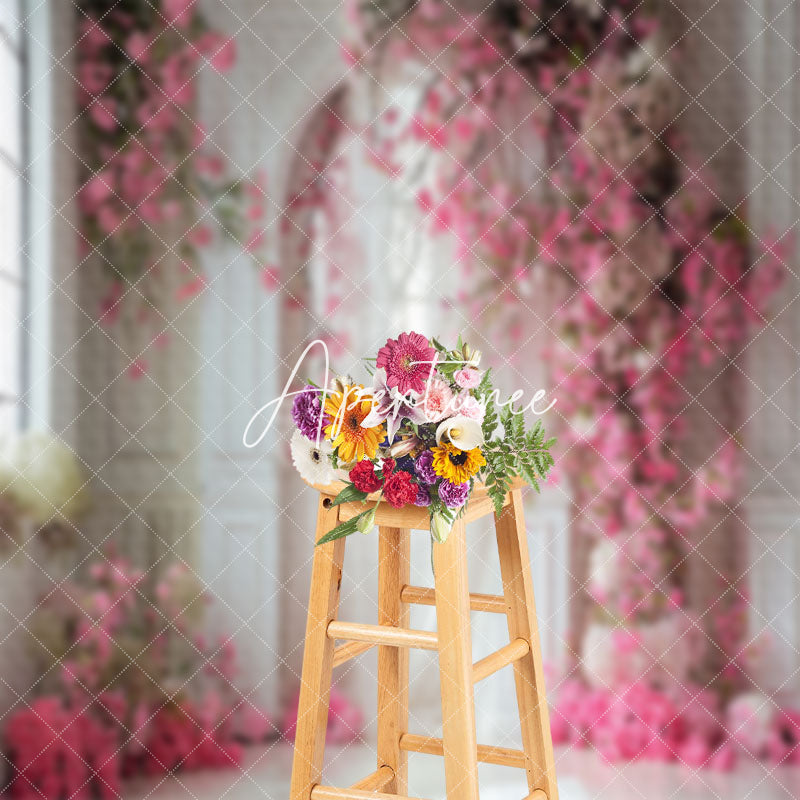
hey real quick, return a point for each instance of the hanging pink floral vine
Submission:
(554, 163)
(154, 193)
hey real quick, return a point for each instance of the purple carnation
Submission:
(423, 466)
(307, 410)
(453, 495)
(423, 496)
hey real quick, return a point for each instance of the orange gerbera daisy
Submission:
(347, 410)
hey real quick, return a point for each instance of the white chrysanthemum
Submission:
(43, 476)
(312, 462)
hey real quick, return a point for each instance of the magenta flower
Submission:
(408, 361)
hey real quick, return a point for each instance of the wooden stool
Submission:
(452, 641)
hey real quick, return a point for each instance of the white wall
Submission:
(771, 36)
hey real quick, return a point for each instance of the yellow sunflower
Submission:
(457, 466)
(346, 411)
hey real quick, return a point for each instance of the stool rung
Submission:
(344, 652)
(504, 756)
(421, 596)
(330, 793)
(512, 652)
(376, 781)
(382, 634)
(537, 794)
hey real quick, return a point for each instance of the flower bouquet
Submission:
(430, 427)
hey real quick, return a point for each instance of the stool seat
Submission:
(413, 517)
(452, 641)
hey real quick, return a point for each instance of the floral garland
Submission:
(651, 276)
(151, 196)
(430, 426)
(128, 685)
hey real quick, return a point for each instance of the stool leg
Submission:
(393, 575)
(315, 685)
(455, 666)
(537, 743)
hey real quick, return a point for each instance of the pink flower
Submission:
(93, 35)
(440, 214)
(190, 289)
(470, 407)
(255, 189)
(749, 718)
(345, 720)
(254, 241)
(252, 724)
(175, 81)
(694, 752)
(200, 236)
(137, 45)
(408, 361)
(783, 746)
(437, 402)
(94, 76)
(108, 219)
(724, 760)
(210, 166)
(224, 57)
(467, 378)
(96, 190)
(138, 368)
(178, 12)
(270, 278)
(150, 210)
(103, 113)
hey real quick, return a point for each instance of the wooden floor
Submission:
(582, 776)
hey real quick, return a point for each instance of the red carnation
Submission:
(387, 467)
(364, 477)
(399, 490)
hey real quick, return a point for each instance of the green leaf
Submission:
(348, 495)
(344, 528)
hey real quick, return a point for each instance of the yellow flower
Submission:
(457, 466)
(346, 410)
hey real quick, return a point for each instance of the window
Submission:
(12, 273)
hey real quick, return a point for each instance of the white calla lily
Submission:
(462, 432)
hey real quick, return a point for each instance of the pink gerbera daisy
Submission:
(407, 361)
